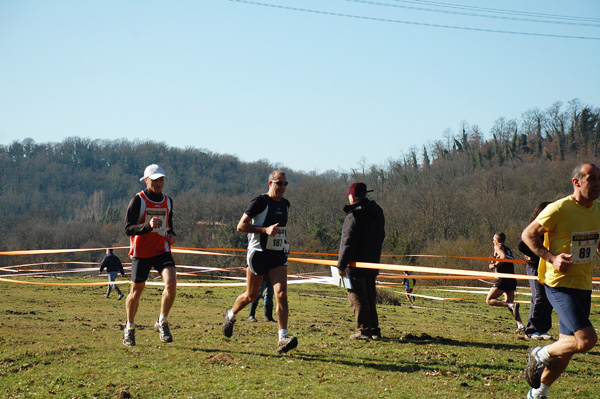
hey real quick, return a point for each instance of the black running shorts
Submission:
(140, 267)
(260, 262)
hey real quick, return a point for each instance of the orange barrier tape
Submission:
(423, 277)
(420, 269)
(211, 249)
(199, 252)
(61, 284)
(447, 273)
(461, 257)
(54, 251)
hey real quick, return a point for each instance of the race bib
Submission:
(277, 242)
(162, 214)
(584, 245)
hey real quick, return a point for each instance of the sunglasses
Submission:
(280, 183)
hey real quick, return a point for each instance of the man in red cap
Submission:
(362, 237)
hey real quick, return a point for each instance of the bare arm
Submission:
(245, 226)
(531, 237)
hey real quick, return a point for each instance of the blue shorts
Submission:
(572, 306)
(260, 262)
(140, 267)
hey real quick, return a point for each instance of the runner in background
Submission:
(504, 286)
(410, 285)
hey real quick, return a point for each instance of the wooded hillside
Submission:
(448, 198)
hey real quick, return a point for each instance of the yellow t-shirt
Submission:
(575, 229)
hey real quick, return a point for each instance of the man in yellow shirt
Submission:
(571, 230)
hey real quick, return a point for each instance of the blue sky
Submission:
(312, 90)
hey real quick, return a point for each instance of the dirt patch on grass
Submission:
(221, 358)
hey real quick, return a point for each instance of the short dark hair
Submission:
(274, 173)
(577, 172)
(501, 236)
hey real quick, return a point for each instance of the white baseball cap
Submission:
(153, 171)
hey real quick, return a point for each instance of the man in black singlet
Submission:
(265, 221)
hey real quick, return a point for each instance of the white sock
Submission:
(282, 333)
(231, 315)
(543, 355)
(130, 326)
(162, 318)
(541, 391)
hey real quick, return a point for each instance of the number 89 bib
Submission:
(584, 245)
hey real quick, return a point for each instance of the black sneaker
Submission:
(129, 337)
(163, 329)
(534, 368)
(227, 326)
(120, 296)
(286, 344)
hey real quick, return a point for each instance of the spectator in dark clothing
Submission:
(113, 266)
(362, 237)
(539, 321)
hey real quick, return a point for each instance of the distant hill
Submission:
(448, 198)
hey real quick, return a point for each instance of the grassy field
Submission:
(66, 342)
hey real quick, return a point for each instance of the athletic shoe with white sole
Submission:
(129, 337)
(545, 336)
(286, 343)
(164, 332)
(530, 395)
(534, 368)
(536, 335)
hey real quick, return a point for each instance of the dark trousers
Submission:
(540, 309)
(363, 300)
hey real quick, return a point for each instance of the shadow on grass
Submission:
(398, 364)
(425, 339)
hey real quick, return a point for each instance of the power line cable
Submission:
(510, 18)
(499, 11)
(306, 10)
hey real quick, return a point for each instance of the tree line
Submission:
(446, 199)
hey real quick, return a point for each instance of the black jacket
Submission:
(112, 263)
(362, 236)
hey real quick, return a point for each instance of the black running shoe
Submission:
(227, 326)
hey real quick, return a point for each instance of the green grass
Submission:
(66, 342)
